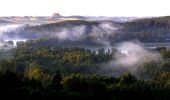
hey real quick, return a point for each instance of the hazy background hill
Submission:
(89, 31)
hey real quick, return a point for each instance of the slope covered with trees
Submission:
(67, 73)
(149, 30)
(49, 68)
(152, 30)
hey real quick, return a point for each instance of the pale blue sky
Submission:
(85, 7)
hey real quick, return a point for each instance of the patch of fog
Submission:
(10, 27)
(129, 56)
(16, 40)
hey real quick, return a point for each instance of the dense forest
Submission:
(154, 30)
(71, 60)
(43, 72)
(94, 32)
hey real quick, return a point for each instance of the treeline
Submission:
(61, 24)
(145, 30)
(66, 59)
(81, 86)
(148, 29)
(69, 73)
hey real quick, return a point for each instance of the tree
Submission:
(56, 80)
(127, 78)
(165, 65)
(33, 71)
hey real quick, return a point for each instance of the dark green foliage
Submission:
(78, 85)
(150, 30)
(70, 76)
(71, 59)
(54, 69)
(56, 81)
(149, 70)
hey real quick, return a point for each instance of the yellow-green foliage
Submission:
(33, 71)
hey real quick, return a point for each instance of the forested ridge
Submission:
(69, 73)
(147, 30)
(68, 66)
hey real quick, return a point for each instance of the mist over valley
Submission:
(76, 56)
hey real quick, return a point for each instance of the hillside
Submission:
(149, 30)
(96, 32)
(57, 60)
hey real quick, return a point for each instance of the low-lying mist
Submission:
(128, 56)
(98, 32)
(134, 54)
(7, 41)
(77, 32)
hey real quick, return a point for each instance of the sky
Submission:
(133, 8)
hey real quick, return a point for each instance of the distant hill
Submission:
(4, 21)
(64, 24)
(149, 30)
(145, 30)
(98, 32)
